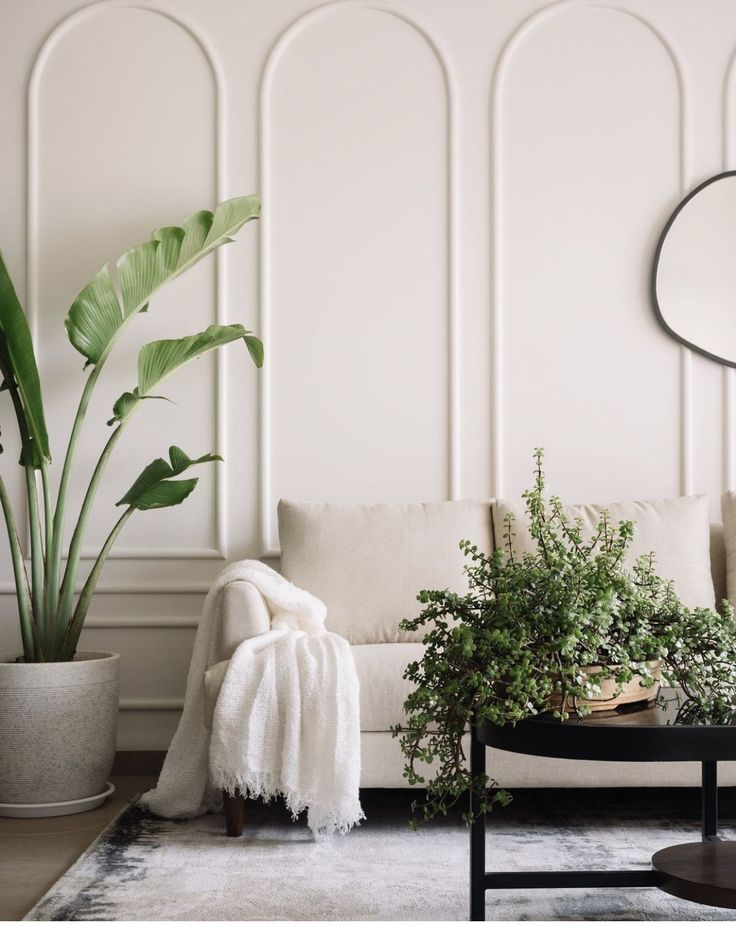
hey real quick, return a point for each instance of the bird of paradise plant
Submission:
(51, 613)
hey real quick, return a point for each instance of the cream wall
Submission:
(461, 199)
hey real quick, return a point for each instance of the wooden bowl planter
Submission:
(613, 695)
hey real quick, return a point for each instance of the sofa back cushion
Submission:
(368, 562)
(677, 530)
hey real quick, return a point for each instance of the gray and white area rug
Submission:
(144, 868)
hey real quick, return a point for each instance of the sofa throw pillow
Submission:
(677, 530)
(368, 562)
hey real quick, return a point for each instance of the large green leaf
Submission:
(160, 358)
(155, 488)
(97, 315)
(18, 361)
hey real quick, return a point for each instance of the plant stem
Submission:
(37, 566)
(74, 627)
(54, 556)
(22, 590)
(37, 569)
(66, 596)
(48, 514)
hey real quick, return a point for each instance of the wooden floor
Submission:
(34, 853)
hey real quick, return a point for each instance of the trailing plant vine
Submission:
(517, 644)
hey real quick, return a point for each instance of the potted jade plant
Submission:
(563, 628)
(58, 706)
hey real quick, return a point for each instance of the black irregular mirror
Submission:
(694, 272)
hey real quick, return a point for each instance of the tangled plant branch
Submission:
(517, 644)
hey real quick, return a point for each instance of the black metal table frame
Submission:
(481, 880)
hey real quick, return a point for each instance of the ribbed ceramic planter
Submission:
(58, 726)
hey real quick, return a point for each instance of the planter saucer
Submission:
(56, 808)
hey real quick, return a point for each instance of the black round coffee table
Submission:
(704, 872)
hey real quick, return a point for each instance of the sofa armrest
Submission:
(213, 679)
(243, 614)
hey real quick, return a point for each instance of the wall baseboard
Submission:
(138, 762)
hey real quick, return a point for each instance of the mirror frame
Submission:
(655, 269)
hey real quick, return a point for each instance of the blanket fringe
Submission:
(337, 815)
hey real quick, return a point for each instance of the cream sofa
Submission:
(367, 564)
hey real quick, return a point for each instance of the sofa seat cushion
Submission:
(368, 562)
(677, 530)
(383, 690)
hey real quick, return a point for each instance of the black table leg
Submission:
(709, 795)
(477, 834)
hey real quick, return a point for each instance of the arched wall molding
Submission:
(49, 45)
(728, 160)
(151, 704)
(269, 544)
(729, 433)
(115, 587)
(511, 45)
(147, 621)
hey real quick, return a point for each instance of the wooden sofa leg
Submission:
(234, 807)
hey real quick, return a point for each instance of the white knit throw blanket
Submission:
(287, 717)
